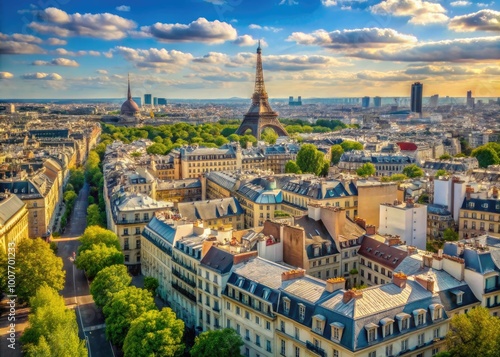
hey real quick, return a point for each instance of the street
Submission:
(76, 290)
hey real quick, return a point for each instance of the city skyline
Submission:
(206, 48)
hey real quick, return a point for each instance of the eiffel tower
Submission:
(260, 115)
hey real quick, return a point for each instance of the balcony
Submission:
(132, 221)
(184, 292)
(216, 308)
(319, 351)
(188, 267)
(184, 278)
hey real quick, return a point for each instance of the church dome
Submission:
(129, 107)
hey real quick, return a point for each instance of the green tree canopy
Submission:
(157, 149)
(36, 265)
(70, 197)
(93, 215)
(413, 171)
(450, 235)
(108, 281)
(97, 258)
(486, 156)
(244, 139)
(349, 145)
(292, 167)
(441, 172)
(367, 169)
(76, 179)
(394, 178)
(476, 333)
(155, 333)
(123, 308)
(151, 284)
(94, 235)
(336, 153)
(217, 343)
(269, 136)
(445, 157)
(310, 159)
(52, 327)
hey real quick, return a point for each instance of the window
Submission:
(372, 334)
(335, 353)
(286, 305)
(138, 244)
(282, 326)
(302, 312)
(127, 258)
(257, 340)
(228, 323)
(237, 310)
(228, 305)
(435, 351)
(421, 339)
(247, 335)
(247, 352)
(125, 231)
(404, 345)
(436, 333)
(372, 354)
(268, 325)
(137, 230)
(247, 315)
(388, 350)
(297, 333)
(283, 347)
(297, 351)
(268, 346)
(238, 329)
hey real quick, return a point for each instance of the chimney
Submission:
(399, 279)
(333, 284)
(495, 192)
(427, 261)
(244, 257)
(393, 240)
(430, 284)
(440, 253)
(410, 203)
(468, 191)
(411, 250)
(360, 222)
(292, 274)
(370, 229)
(352, 294)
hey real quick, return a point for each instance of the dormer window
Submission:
(419, 316)
(316, 251)
(252, 287)
(458, 296)
(371, 332)
(436, 311)
(387, 326)
(266, 294)
(471, 204)
(240, 282)
(302, 311)
(318, 323)
(337, 330)
(403, 321)
(286, 305)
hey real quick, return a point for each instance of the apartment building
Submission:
(13, 221)
(187, 190)
(224, 212)
(480, 213)
(385, 164)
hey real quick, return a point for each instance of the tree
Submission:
(76, 179)
(310, 159)
(394, 178)
(151, 284)
(413, 171)
(97, 258)
(52, 327)
(441, 172)
(217, 343)
(486, 156)
(450, 235)
(292, 167)
(36, 265)
(445, 157)
(476, 333)
(325, 169)
(93, 215)
(245, 139)
(157, 149)
(155, 333)
(367, 169)
(269, 136)
(349, 145)
(123, 308)
(108, 281)
(336, 153)
(94, 235)
(70, 197)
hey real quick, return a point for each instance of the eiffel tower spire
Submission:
(129, 93)
(260, 115)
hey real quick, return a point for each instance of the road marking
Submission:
(95, 327)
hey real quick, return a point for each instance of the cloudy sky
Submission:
(206, 48)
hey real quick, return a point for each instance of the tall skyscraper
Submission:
(377, 102)
(434, 100)
(147, 99)
(417, 90)
(155, 101)
(365, 102)
(470, 100)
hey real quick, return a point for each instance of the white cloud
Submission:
(64, 52)
(6, 75)
(247, 40)
(216, 2)
(65, 62)
(329, 2)
(103, 26)
(123, 8)
(41, 75)
(421, 12)
(265, 28)
(102, 71)
(200, 30)
(460, 3)
(483, 20)
(155, 58)
(56, 42)
(351, 39)
(20, 44)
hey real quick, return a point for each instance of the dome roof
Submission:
(129, 107)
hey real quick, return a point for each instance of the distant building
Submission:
(147, 99)
(433, 103)
(470, 101)
(365, 102)
(155, 101)
(416, 97)
(377, 102)
(162, 101)
(297, 102)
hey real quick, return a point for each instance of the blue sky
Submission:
(206, 48)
